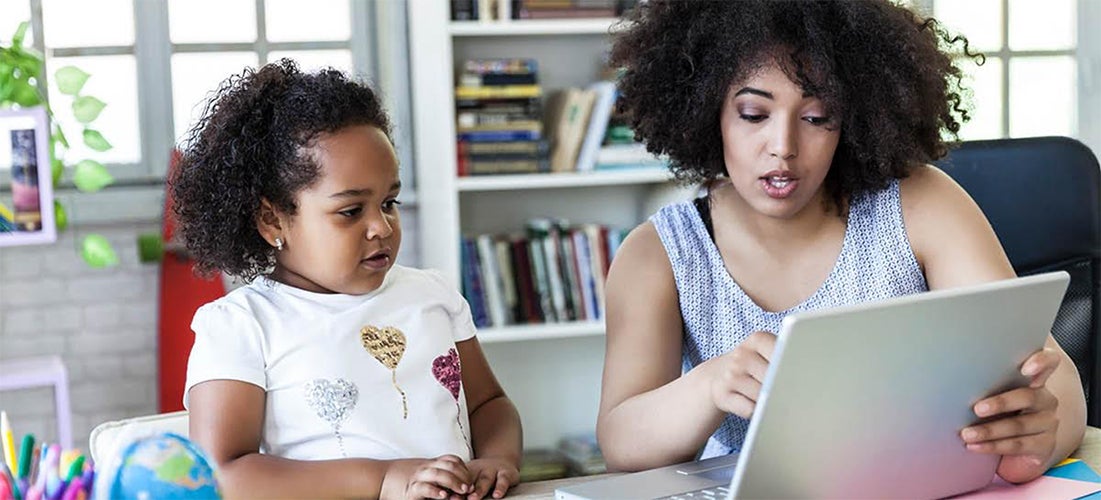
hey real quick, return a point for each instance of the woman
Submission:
(812, 125)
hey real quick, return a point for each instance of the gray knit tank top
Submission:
(876, 262)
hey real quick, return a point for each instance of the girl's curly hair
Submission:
(886, 73)
(251, 143)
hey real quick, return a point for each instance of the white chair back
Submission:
(107, 437)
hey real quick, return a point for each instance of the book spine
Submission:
(491, 280)
(500, 135)
(498, 92)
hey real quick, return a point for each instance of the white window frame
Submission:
(1087, 54)
(138, 191)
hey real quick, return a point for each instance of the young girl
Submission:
(813, 125)
(335, 372)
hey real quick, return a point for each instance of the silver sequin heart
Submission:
(333, 400)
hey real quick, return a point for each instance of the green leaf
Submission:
(25, 94)
(70, 80)
(57, 167)
(95, 140)
(60, 135)
(61, 217)
(20, 33)
(90, 176)
(150, 247)
(87, 108)
(97, 252)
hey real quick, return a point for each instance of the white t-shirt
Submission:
(373, 376)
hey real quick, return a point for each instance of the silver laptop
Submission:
(867, 401)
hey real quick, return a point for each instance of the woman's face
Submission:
(778, 143)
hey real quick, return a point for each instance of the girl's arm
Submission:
(495, 432)
(955, 245)
(649, 414)
(226, 420)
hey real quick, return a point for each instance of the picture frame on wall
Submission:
(26, 187)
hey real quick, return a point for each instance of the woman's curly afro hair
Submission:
(876, 66)
(251, 144)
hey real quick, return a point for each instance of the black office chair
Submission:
(1041, 195)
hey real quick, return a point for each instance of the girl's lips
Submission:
(377, 261)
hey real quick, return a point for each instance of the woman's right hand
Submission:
(442, 477)
(737, 375)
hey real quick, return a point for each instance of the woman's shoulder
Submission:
(929, 193)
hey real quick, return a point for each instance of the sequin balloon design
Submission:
(449, 373)
(387, 345)
(333, 401)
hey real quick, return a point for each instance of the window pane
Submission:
(986, 113)
(313, 60)
(297, 21)
(1042, 24)
(196, 76)
(195, 21)
(1043, 96)
(114, 80)
(15, 12)
(80, 23)
(978, 20)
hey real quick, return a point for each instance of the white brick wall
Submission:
(102, 322)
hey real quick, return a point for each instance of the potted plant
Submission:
(21, 69)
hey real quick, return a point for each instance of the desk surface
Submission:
(1089, 452)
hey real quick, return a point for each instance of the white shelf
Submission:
(599, 26)
(541, 331)
(564, 180)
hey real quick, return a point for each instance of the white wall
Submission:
(102, 323)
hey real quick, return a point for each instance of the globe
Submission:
(160, 466)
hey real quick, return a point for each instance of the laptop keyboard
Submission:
(716, 493)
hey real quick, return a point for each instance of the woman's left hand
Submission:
(1023, 431)
(492, 477)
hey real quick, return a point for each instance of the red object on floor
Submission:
(182, 292)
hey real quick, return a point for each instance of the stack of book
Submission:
(543, 465)
(583, 455)
(499, 118)
(496, 10)
(553, 273)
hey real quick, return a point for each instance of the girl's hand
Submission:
(492, 477)
(1025, 433)
(438, 478)
(738, 374)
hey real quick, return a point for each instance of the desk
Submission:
(1089, 452)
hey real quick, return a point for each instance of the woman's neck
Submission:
(816, 218)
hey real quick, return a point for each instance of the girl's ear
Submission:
(269, 223)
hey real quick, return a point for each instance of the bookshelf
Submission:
(552, 371)
(563, 180)
(543, 331)
(550, 27)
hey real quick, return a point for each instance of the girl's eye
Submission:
(817, 120)
(753, 118)
(390, 205)
(351, 212)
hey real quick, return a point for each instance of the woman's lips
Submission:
(778, 186)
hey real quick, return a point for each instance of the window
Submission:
(206, 49)
(154, 63)
(1029, 83)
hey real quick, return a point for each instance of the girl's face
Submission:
(346, 233)
(778, 143)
